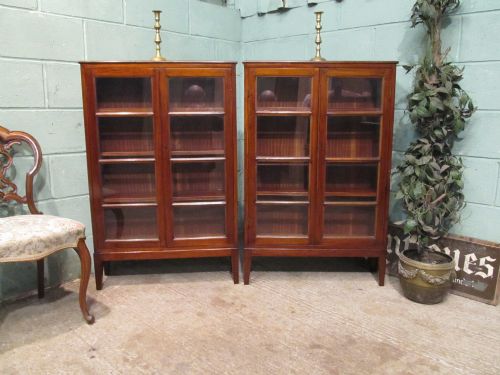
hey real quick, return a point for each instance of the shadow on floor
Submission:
(212, 266)
(310, 264)
(327, 264)
(166, 266)
(158, 271)
(40, 319)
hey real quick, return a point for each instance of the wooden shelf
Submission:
(128, 154)
(124, 112)
(120, 205)
(355, 112)
(283, 159)
(286, 203)
(199, 203)
(199, 238)
(279, 237)
(198, 159)
(139, 200)
(283, 112)
(196, 111)
(352, 160)
(283, 193)
(127, 160)
(351, 193)
(348, 237)
(350, 203)
(135, 241)
(197, 153)
(199, 198)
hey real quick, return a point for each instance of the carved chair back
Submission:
(8, 189)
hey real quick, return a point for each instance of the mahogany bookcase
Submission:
(161, 156)
(318, 143)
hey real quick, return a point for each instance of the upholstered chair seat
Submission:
(33, 237)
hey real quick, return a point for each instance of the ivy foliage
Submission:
(431, 184)
(429, 11)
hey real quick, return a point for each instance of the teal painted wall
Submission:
(42, 41)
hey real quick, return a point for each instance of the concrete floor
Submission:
(297, 317)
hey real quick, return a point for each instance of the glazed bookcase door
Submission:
(125, 197)
(199, 149)
(281, 162)
(353, 156)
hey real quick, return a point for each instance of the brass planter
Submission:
(426, 281)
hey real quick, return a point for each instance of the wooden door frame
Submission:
(250, 188)
(371, 70)
(230, 164)
(90, 72)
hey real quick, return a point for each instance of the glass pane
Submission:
(351, 179)
(199, 221)
(127, 223)
(352, 137)
(284, 93)
(282, 220)
(197, 135)
(349, 221)
(128, 182)
(129, 93)
(195, 179)
(282, 136)
(354, 94)
(196, 94)
(121, 136)
(283, 178)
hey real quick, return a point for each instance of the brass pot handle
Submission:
(407, 274)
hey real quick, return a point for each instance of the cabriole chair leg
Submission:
(83, 253)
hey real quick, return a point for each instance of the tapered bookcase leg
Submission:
(381, 270)
(247, 266)
(235, 266)
(98, 271)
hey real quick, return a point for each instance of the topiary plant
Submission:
(431, 185)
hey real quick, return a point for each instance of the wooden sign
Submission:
(477, 263)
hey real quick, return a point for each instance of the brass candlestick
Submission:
(157, 26)
(318, 38)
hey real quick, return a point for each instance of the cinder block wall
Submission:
(379, 30)
(41, 42)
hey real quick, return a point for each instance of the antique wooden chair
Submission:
(27, 238)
